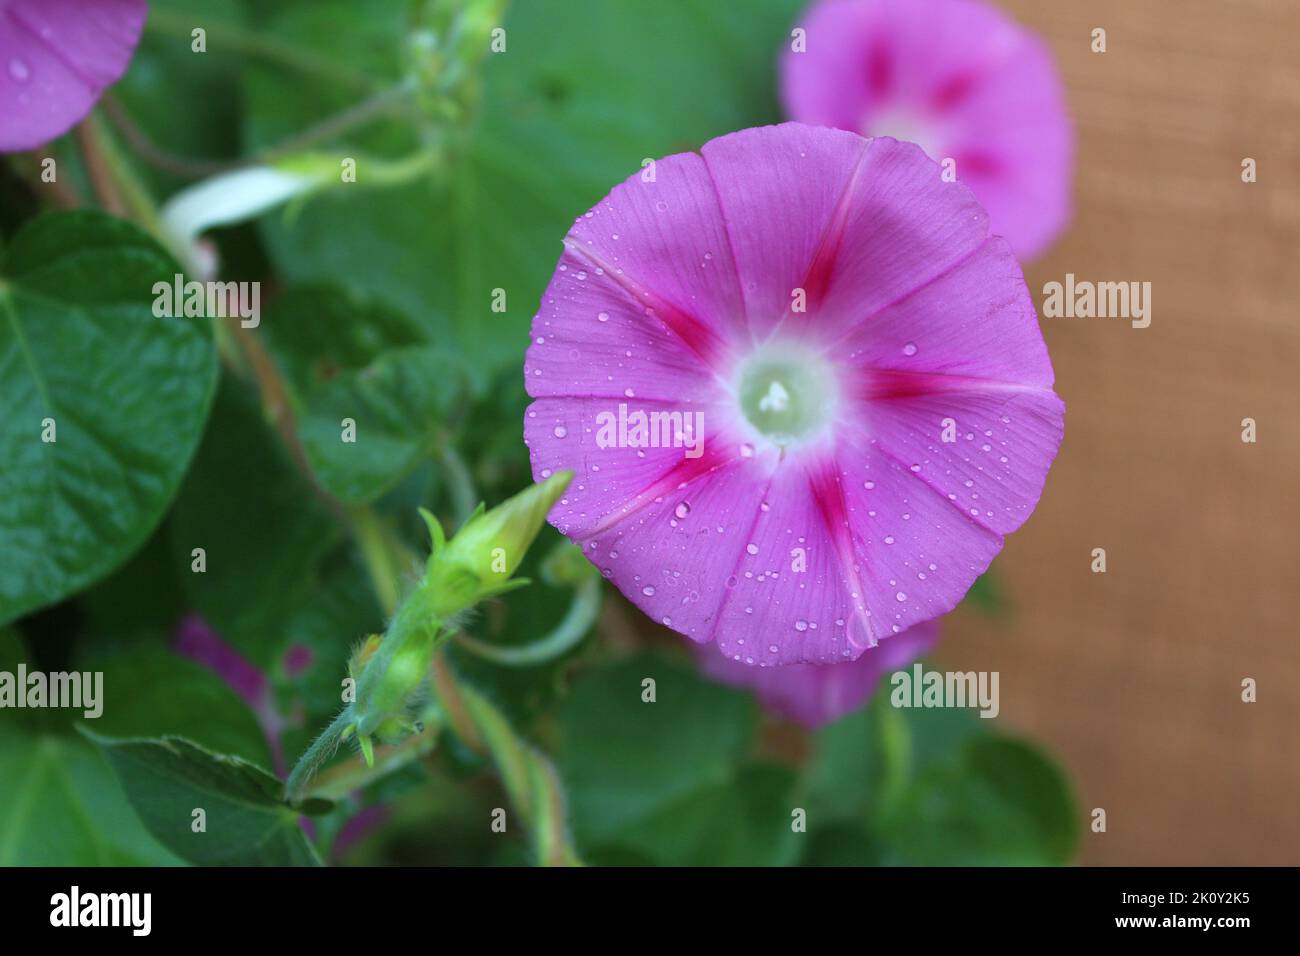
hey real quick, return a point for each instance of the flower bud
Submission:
(478, 561)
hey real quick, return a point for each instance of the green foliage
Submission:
(263, 548)
(61, 804)
(561, 120)
(372, 366)
(247, 822)
(919, 787)
(103, 403)
(670, 781)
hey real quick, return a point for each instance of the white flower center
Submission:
(787, 393)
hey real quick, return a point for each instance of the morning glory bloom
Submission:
(56, 58)
(817, 694)
(959, 78)
(802, 390)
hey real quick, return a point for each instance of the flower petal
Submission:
(56, 58)
(610, 483)
(955, 379)
(592, 337)
(964, 80)
(664, 241)
(855, 224)
(817, 694)
(797, 592)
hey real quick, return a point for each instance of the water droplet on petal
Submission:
(560, 431)
(682, 510)
(648, 590)
(909, 348)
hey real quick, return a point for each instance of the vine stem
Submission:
(528, 776)
(385, 101)
(317, 753)
(235, 39)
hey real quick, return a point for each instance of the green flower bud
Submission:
(478, 561)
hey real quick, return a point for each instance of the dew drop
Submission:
(909, 348)
(801, 625)
(648, 590)
(900, 596)
(682, 510)
(602, 317)
(560, 431)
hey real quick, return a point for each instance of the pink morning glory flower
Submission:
(957, 77)
(802, 390)
(817, 694)
(56, 58)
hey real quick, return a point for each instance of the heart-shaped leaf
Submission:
(103, 403)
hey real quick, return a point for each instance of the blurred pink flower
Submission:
(56, 58)
(959, 78)
(864, 401)
(817, 694)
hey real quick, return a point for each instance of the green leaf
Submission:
(150, 692)
(346, 359)
(247, 821)
(127, 391)
(933, 786)
(398, 406)
(263, 529)
(1001, 802)
(318, 332)
(863, 760)
(629, 765)
(744, 821)
(61, 805)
